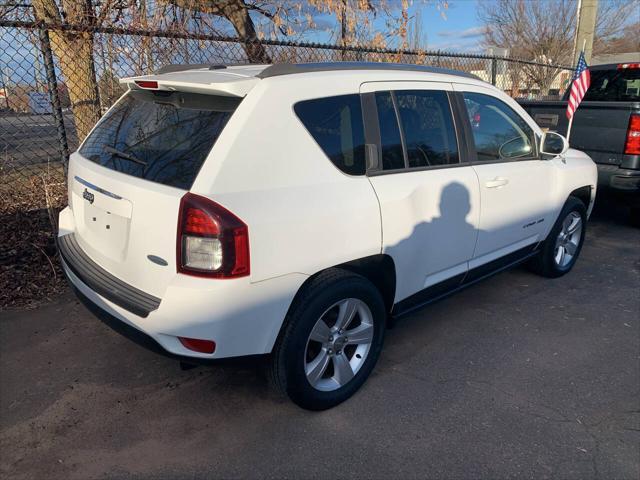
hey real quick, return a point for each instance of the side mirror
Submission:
(553, 143)
(515, 148)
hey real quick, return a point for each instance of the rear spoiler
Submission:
(196, 81)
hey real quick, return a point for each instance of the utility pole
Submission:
(585, 29)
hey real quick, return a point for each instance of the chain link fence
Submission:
(56, 80)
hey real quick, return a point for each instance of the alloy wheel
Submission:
(568, 240)
(338, 344)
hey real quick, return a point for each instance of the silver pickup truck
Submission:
(606, 126)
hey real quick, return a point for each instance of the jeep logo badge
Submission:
(88, 196)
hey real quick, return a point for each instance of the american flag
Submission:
(581, 81)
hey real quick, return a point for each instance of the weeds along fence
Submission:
(56, 80)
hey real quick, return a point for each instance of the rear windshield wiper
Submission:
(125, 155)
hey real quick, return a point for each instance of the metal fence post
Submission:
(494, 70)
(4, 89)
(54, 97)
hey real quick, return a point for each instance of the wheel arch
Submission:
(583, 194)
(379, 269)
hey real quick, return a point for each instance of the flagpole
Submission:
(584, 44)
(569, 129)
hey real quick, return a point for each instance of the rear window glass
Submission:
(335, 123)
(614, 85)
(163, 137)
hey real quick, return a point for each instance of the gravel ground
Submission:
(518, 376)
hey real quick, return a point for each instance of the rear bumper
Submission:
(243, 320)
(139, 337)
(619, 179)
(122, 294)
(241, 317)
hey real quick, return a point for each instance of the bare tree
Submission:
(75, 53)
(543, 31)
(614, 32)
(540, 31)
(238, 12)
(627, 40)
(354, 19)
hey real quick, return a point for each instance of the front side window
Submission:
(335, 123)
(426, 128)
(163, 137)
(499, 132)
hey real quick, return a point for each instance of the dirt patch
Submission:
(30, 272)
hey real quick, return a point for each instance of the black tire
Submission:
(544, 263)
(287, 366)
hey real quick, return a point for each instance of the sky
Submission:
(460, 31)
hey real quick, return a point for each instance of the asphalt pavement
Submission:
(516, 377)
(27, 140)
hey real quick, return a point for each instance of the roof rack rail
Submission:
(292, 68)
(183, 67)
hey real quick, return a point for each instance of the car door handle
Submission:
(496, 182)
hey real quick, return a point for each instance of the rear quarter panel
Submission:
(304, 215)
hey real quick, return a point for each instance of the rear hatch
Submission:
(127, 179)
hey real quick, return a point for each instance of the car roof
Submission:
(275, 70)
(238, 80)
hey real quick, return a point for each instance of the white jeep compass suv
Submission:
(292, 210)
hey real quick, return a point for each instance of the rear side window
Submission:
(162, 137)
(498, 131)
(427, 125)
(335, 123)
(621, 85)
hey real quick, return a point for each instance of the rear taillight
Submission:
(632, 145)
(212, 242)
